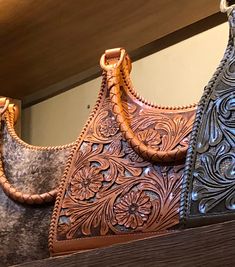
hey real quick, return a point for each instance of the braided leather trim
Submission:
(148, 153)
(190, 159)
(4, 103)
(62, 188)
(9, 117)
(12, 192)
(135, 94)
(127, 67)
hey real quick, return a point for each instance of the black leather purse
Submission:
(208, 194)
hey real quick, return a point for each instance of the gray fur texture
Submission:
(24, 228)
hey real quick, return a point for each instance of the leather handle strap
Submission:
(225, 7)
(113, 66)
(18, 196)
(7, 187)
(4, 104)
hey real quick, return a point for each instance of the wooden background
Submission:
(49, 46)
(210, 246)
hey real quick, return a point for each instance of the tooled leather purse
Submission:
(123, 177)
(26, 174)
(208, 194)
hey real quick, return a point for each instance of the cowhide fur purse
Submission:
(26, 174)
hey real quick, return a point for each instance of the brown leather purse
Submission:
(26, 174)
(123, 177)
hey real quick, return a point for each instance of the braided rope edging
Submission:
(8, 118)
(134, 93)
(187, 182)
(61, 190)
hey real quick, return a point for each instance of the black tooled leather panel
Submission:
(208, 194)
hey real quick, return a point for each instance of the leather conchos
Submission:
(124, 175)
(209, 181)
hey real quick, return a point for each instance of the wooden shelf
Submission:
(50, 46)
(209, 246)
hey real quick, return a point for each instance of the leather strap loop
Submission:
(113, 58)
(8, 188)
(4, 103)
(144, 151)
(225, 7)
(14, 110)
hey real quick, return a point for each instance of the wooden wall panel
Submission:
(49, 46)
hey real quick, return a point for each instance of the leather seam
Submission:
(118, 236)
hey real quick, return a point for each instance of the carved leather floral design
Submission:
(220, 121)
(163, 131)
(108, 127)
(132, 155)
(112, 190)
(213, 187)
(133, 209)
(215, 181)
(150, 137)
(86, 183)
(214, 174)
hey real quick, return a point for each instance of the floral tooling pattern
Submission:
(86, 183)
(133, 209)
(214, 173)
(111, 189)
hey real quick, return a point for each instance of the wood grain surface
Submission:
(204, 246)
(49, 46)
